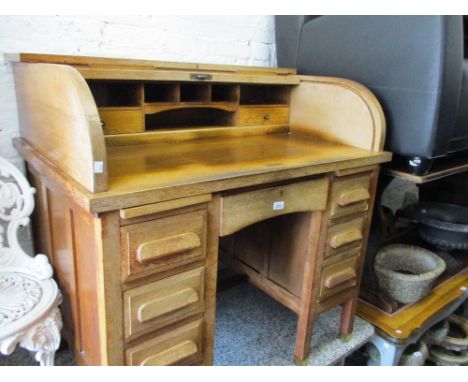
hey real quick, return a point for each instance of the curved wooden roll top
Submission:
(59, 118)
(264, 119)
(338, 110)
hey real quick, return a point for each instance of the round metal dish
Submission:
(443, 225)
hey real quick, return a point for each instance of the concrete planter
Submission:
(406, 273)
(414, 355)
(445, 357)
(436, 334)
(457, 337)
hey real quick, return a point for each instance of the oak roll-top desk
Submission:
(146, 170)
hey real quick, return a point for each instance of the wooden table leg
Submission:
(307, 309)
(347, 319)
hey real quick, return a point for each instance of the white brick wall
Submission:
(243, 40)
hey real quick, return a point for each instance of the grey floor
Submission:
(253, 329)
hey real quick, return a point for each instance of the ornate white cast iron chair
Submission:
(29, 298)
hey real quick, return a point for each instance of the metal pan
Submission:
(443, 225)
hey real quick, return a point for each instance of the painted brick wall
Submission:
(242, 40)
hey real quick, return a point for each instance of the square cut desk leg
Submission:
(347, 319)
(307, 305)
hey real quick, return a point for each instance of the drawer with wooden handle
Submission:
(339, 276)
(344, 236)
(263, 115)
(350, 194)
(163, 302)
(241, 210)
(180, 346)
(164, 243)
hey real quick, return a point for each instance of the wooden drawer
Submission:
(162, 302)
(121, 121)
(240, 210)
(339, 276)
(263, 115)
(180, 346)
(164, 243)
(344, 236)
(350, 194)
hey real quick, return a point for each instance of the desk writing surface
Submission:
(166, 164)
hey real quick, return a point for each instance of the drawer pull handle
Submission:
(172, 355)
(353, 196)
(340, 278)
(157, 249)
(345, 237)
(167, 304)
